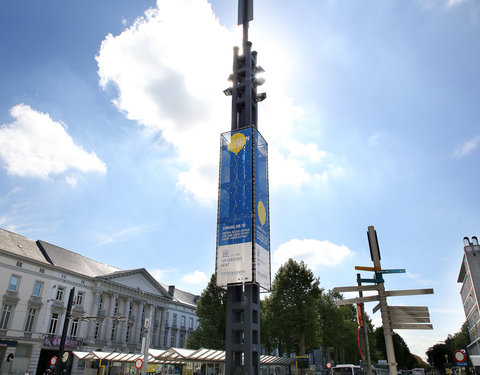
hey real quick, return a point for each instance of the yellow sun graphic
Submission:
(262, 213)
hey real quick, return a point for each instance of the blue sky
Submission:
(111, 114)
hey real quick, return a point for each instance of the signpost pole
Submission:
(387, 329)
(147, 324)
(365, 331)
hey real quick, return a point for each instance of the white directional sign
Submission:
(411, 326)
(355, 288)
(409, 317)
(356, 300)
(408, 292)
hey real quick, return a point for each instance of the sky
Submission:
(111, 114)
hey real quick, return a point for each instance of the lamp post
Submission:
(61, 349)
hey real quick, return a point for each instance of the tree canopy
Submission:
(211, 313)
(292, 309)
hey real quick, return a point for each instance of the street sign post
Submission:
(393, 317)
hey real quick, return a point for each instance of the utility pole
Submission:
(61, 349)
(387, 328)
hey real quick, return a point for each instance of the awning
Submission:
(177, 356)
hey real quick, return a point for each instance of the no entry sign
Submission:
(53, 361)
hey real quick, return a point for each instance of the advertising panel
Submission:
(243, 226)
(262, 217)
(234, 225)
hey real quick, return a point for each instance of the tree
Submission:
(403, 356)
(211, 313)
(443, 352)
(338, 329)
(293, 309)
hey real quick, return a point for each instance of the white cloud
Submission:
(466, 148)
(34, 145)
(451, 3)
(313, 252)
(169, 69)
(162, 276)
(196, 277)
(72, 181)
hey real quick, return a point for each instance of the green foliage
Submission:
(211, 313)
(442, 353)
(405, 359)
(293, 310)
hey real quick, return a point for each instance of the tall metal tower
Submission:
(243, 229)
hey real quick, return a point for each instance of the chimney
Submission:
(171, 290)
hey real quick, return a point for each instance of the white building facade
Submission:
(109, 312)
(469, 276)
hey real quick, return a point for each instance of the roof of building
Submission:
(74, 262)
(20, 246)
(180, 295)
(57, 256)
(142, 271)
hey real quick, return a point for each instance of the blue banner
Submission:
(235, 206)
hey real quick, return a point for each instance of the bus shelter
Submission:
(173, 361)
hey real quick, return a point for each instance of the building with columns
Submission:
(109, 311)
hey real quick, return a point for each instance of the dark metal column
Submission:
(243, 330)
(242, 338)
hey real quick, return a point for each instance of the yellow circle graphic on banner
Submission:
(237, 142)
(262, 213)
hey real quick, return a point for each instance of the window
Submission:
(114, 327)
(7, 310)
(41, 270)
(64, 277)
(30, 319)
(37, 289)
(190, 323)
(127, 336)
(165, 340)
(19, 264)
(100, 305)
(174, 323)
(52, 328)
(172, 340)
(14, 281)
(115, 312)
(182, 339)
(79, 299)
(60, 291)
(97, 330)
(74, 328)
(182, 322)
